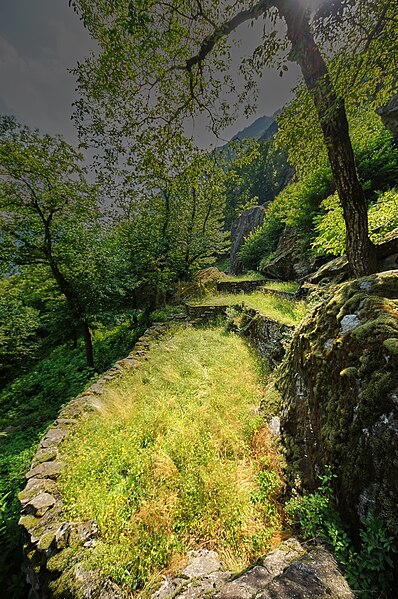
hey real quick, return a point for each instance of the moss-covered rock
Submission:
(339, 383)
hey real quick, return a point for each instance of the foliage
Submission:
(369, 569)
(255, 176)
(174, 224)
(260, 244)
(330, 228)
(159, 466)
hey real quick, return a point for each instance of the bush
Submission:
(261, 243)
(330, 227)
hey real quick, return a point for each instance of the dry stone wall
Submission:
(49, 539)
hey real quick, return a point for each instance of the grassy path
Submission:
(177, 459)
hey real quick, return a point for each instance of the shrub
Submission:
(369, 569)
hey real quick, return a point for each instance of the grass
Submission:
(249, 276)
(28, 405)
(283, 310)
(177, 459)
(291, 286)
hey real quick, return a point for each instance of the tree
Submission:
(155, 56)
(171, 212)
(49, 217)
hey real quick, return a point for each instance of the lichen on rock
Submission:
(339, 385)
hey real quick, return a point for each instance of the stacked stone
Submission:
(48, 538)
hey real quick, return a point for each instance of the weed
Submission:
(369, 569)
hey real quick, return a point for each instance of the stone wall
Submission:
(49, 539)
(268, 336)
(238, 286)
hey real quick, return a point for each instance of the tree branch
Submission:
(225, 29)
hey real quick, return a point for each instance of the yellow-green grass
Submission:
(177, 458)
(281, 285)
(283, 310)
(250, 276)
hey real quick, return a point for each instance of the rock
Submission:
(268, 336)
(248, 222)
(201, 562)
(39, 504)
(348, 323)
(389, 116)
(34, 487)
(45, 470)
(339, 386)
(336, 271)
(54, 436)
(290, 262)
(314, 576)
(45, 455)
(289, 572)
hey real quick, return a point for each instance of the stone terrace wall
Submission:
(238, 286)
(268, 336)
(50, 540)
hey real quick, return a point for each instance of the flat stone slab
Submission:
(40, 504)
(46, 470)
(54, 437)
(314, 576)
(202, 562)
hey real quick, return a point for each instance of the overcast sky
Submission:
(41, 39)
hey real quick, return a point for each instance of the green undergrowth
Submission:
(291, 286)
(282, 309)
(367, 566)
(177, 459)
(28, 406)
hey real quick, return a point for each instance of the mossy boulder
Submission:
(339, 383)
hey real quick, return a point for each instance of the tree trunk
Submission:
(88, 344)
(361, 252)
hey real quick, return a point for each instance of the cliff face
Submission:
(339, 384)
(248, 221)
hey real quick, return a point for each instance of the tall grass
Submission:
(177, 458)
(284, 310)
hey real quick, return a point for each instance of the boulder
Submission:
(389, 116)
(248, 222)
(336, 271)
(290, 262)
(339, 383)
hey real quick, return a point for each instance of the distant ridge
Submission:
(262, 128)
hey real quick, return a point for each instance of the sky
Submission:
(41, 39)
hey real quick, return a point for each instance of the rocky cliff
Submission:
(339, 384)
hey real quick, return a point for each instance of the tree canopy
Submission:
(160, 62)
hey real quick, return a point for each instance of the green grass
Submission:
(177, 459)
(29, 404)
(283, 310)
(281, 285)
(249, 276)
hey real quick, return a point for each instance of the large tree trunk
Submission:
(333, 120)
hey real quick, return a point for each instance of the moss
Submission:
(45, 455)
(336, 400)
(63, 560)
(29, 522)
(351, 372)
(391, 345)
(46, 540)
